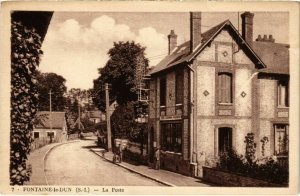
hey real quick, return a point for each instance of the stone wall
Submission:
(206, 91)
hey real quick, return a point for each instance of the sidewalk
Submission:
(37, 160)
(163, 176)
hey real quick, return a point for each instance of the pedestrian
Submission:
(117, 154)
(157, 158)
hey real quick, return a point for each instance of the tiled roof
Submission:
(274, 55)
(43, 119)
(182, 53)
(95, 114)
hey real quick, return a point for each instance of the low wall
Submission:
(174, 162)
(233, 180)
(40, 142)
(132, 153)
(73, 136)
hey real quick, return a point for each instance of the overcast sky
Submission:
(77, 43)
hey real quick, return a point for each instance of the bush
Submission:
(267, 168)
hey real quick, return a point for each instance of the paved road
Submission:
(75, 164)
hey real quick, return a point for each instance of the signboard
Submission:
(225, 112)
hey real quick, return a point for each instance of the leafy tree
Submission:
(123, 71)
(56, 83)
(25, 57)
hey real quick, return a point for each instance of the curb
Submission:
(48, 152)
(134, 171)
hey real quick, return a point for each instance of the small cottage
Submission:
(50, 126)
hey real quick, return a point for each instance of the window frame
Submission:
(48, 132)
(179, 96)
(230, 143)
(286, 134)
(285, 84)
(162, 91)
(170, 134)
(220, 95)
(34, 132)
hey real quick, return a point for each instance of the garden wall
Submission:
(234, 180)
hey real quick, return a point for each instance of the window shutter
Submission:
(225, 88)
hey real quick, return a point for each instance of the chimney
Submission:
(247, 27)
(195, 22)
(172, 41)
(265, 39)
(271, 39)
(259, 38)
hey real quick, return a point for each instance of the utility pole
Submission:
(50, 98)
(79, 121)
(108, 118)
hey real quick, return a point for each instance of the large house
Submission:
(50, 126)
(209, 92)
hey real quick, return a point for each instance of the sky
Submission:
(77, 43)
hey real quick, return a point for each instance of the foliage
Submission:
(25, 57)
(267, 168)
(264, 140)
(231, 161)
(124, 70)
(124, 124)
(250, 147)
(123, 121)
(89, 125)
(55, 83)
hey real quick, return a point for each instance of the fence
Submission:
(40, 142)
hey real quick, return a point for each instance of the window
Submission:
(281, 139)
(283, 94)
(163, 88)
(50, 134)
(171, 134)
(179, 87)
(225, 87)
(225, 139)
(36, 135)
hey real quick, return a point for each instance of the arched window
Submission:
(225, 87)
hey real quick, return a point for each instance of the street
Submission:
(75, 164)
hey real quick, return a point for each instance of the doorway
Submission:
(225, 139)
(151, 148)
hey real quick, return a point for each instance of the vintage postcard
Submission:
(149, 98)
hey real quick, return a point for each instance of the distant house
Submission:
(94, 116)
(209, 92)
(55, 129)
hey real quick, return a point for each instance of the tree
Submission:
(25, 57)
(124, 71)
(55, 83)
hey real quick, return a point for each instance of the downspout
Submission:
(191, 103)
